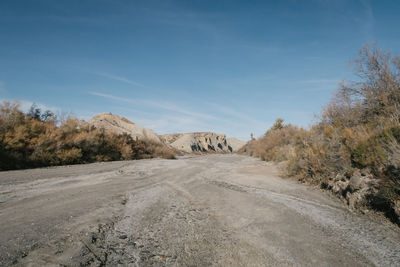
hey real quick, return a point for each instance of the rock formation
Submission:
(120, 125)
(197, 142)
(355, 190)
(185, 142)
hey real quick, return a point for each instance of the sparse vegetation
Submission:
(276, 144)
(37, 139)
(359, 132)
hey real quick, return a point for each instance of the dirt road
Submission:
(214, 210)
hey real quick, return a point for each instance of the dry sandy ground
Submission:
(214, 210)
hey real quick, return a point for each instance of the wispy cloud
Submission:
(255, 81)
(180, 120)
(366, 20)
(173, 124)
(157, 104)
(183, 119)
(172, 107)
(237, 114)
(182, 18)
(118, 78)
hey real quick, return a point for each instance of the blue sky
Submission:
(179, 66)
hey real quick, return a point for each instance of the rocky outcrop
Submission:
(356, 190)
(235, 144)
(121, 125)
(197, 142)
(185, 142)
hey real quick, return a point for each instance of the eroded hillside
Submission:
(121, 125)
(198, 142)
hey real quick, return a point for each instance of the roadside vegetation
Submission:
(38, 139)
(354, 148)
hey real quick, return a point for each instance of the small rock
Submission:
(123, 237)
(354, 200)
(342, 185)
(131, 243)
(356, 181)
(339, 177)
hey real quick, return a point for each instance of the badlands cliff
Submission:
(197, 142)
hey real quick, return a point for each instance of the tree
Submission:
(377, 93)
(34, 112)
(278, 124)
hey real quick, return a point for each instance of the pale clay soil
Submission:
(212, 210)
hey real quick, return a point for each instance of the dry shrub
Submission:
(277, 144)
(34, 140)
(159, 150)
(70, 156)
(249, 148)
(358, 129)
(391, 181)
